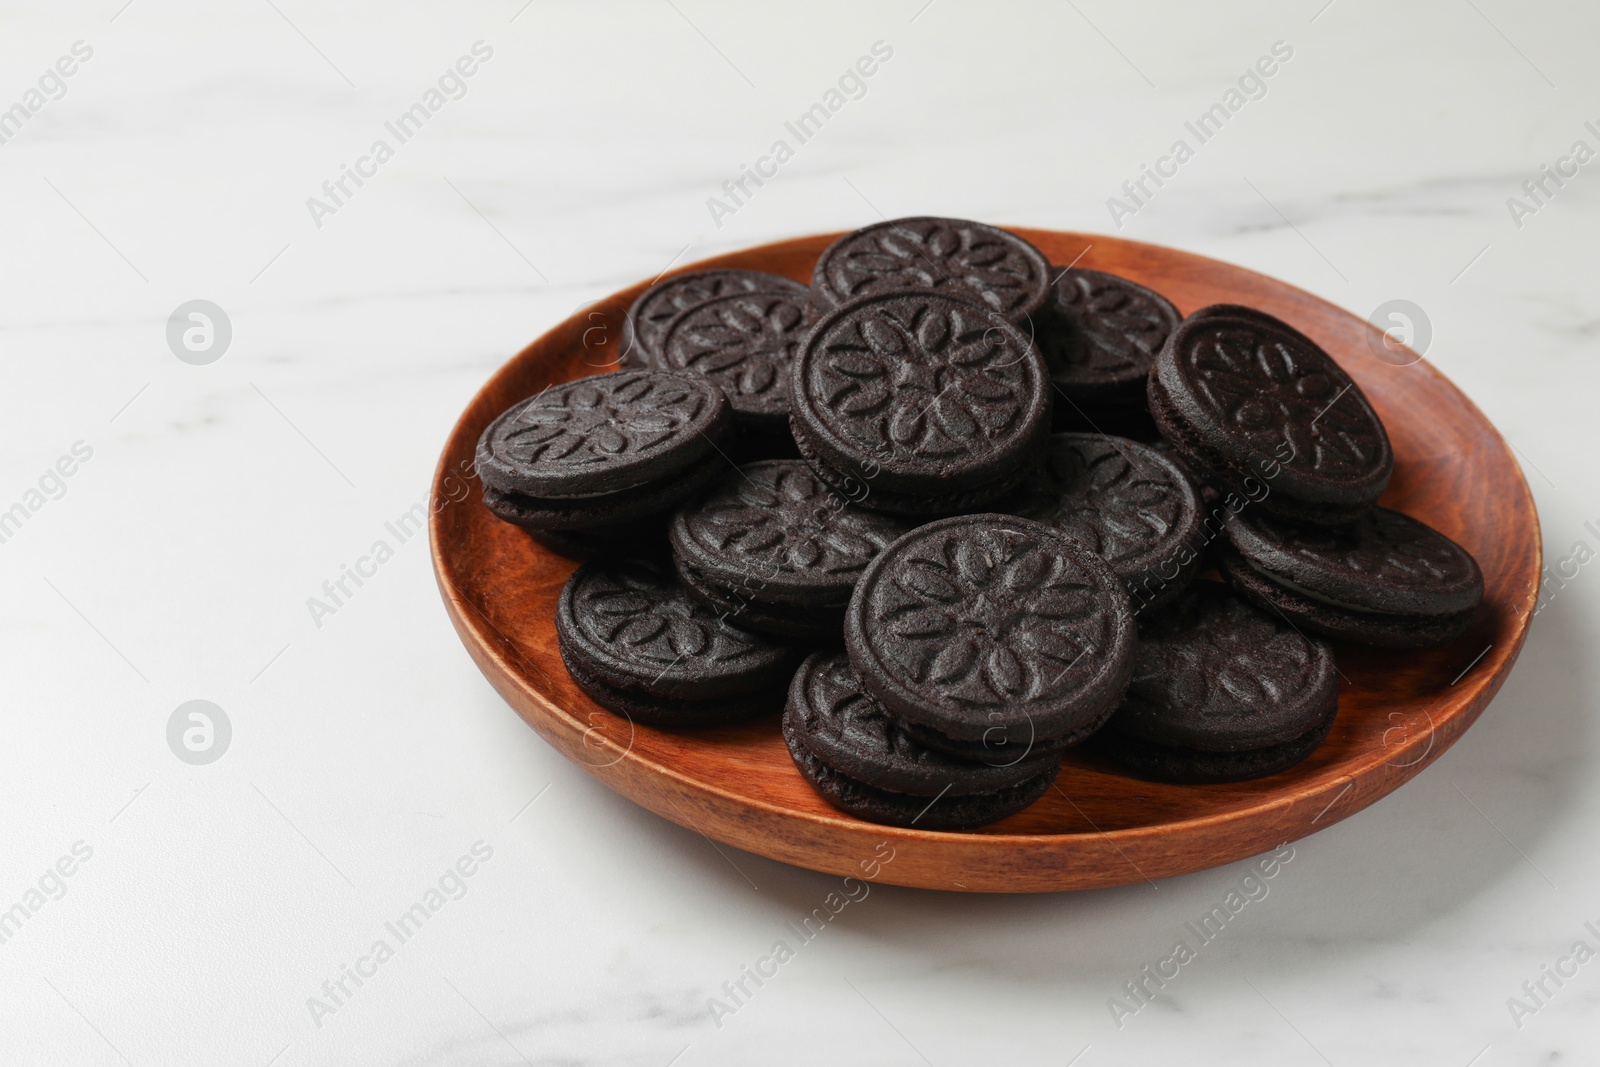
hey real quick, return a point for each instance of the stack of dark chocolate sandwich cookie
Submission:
(949, 512)
(979, 647)
(592, 464)
(737, 328)
(1298, 459)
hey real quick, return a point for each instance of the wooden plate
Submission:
(1397, 711)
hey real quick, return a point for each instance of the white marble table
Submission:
(207, 504)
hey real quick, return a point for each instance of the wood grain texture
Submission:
(1397, 711)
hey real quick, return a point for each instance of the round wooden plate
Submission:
(1397, 711)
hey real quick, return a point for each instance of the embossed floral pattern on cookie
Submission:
(744, 342)
(1110, 329)
(988, 612)
(658, 305)
(777, 521)
(1218, 655)
(634, 611)
(1384, 560)
(1273, 387)
(1215, 671)
(598, 433)
(922, 378)
(963, 258)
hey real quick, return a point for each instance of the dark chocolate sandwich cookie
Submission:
(777, 550)
(632, 522)
(745, 343)
(1221, 691)
(638, 644)
(601, 452)
(919, 403)
(645, 326)
(902, 809)
(832, 715)
(991, 266)
(1100, 334)
(992, 629)
(858, 758)
(602, 434)
(1385, 579)
(1128, 502)
(1251, 401)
